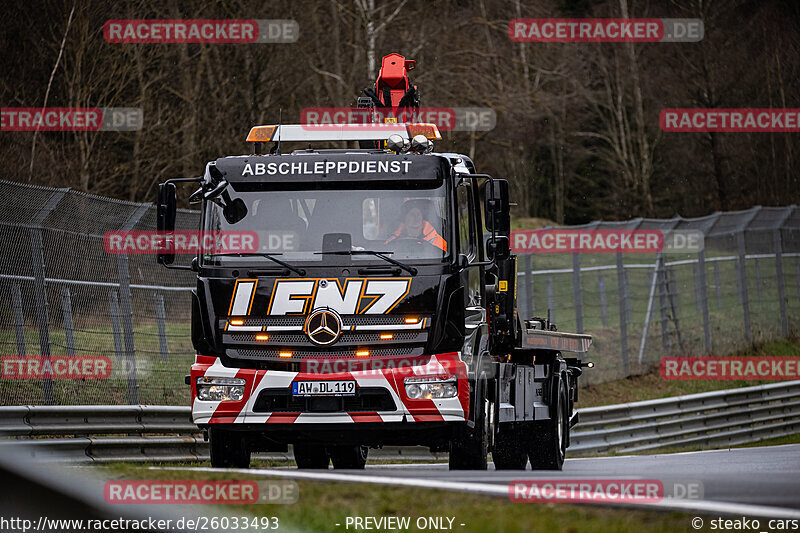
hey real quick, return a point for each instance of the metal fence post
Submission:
(778, 246)
(696, 282)
(113, 306)
(603, 304)
(19, 319)
(759, 293)
(120, 350)
(161, 317)
(673, 299)
(628, 301)
(530, 307)
(737, 267)
(623, 323)
(666, 340)
(703, 299)
(69, 329)
(718, 284)
(551, 305)
(40, 285)
(742, 277)
(126, 309)
(577, 293)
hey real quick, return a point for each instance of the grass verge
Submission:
(321, 505)
(651, 386)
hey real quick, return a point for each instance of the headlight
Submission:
(431, 388)
(220, 389)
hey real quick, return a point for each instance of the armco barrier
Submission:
(166, 433)
(732, 416)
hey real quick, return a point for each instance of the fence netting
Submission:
(64, 295)
(742, 288)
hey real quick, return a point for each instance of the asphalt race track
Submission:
(763, 481)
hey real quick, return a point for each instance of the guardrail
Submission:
(724, 417)
(165, 433)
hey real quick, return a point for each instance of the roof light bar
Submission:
(340, 132)
(261, 134)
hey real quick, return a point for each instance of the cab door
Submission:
(471, 276)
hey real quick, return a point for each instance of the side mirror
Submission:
(497, 210)
(498, 219)
(499, 248)
(233, 210)
(165, 220)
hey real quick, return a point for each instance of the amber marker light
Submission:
(412, 320)
(237, 322)
(386, 336)
(285, 354)
(262, 337)
(362, 353)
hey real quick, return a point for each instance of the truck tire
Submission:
(228, 449)
(469, 447)
(548, 443)
(351, 457)
(311, 456)
(510, 452)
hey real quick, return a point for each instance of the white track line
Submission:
(703, 506)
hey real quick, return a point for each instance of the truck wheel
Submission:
(228, 449)
(352, 457)
(548, 443)
(470, 446)
(509, 450)
(311, 456)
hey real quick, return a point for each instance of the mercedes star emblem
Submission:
(323, 326)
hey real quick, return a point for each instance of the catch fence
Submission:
(64, 294)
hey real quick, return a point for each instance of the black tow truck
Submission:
(376, 305)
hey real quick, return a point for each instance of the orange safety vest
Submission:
(429, 233)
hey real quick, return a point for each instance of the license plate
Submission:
(324, 388)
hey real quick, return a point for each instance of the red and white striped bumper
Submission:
(454, 409)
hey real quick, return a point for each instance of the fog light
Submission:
(220, 389)
(431, 388)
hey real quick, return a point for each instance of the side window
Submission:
(466, 234)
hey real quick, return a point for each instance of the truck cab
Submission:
(371, 302)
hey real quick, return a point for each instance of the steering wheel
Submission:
(410, 243)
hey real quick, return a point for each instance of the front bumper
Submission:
(380, 396)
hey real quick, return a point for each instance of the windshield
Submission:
(409, 223)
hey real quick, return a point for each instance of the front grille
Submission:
(347, 338)
(369, 399)
(298, 355)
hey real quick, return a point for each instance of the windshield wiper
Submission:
(284, 264)
(411, 270)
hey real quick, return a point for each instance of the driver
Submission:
(414, 226)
